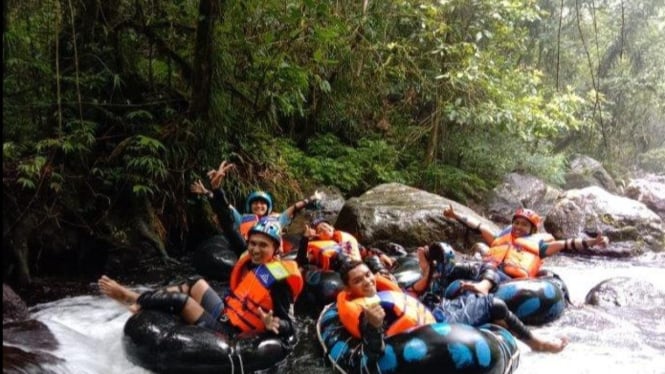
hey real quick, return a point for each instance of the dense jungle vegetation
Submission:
(112, 108)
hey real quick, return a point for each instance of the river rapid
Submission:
(629, 339)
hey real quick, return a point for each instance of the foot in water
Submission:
(118, 292)
(540, 344)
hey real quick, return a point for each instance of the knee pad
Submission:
(498, 309)
(190, 282)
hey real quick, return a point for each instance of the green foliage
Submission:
(353, 169)
(30, 172)
(653, 160)
(446, 96)
(145, 168)
(78, 137)
(451, 182)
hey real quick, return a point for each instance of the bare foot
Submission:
(540, 344)
(116, 291)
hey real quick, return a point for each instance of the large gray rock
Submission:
(650, 190)
(13, 307)
(27, 347)
(332, 201)
(586, 171)
(630, 225)
(19, 332)
(517, 190)
(628, 302)
(405, 215)
(626, 292)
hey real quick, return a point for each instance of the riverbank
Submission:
(146, 270)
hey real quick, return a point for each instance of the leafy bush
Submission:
(354, 170)
(653, 160)
(451, 182)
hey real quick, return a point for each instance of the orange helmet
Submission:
(530, 216)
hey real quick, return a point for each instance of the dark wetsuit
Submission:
(222, 208)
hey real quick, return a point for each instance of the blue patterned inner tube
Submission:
(439, 347)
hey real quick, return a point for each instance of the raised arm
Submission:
(485, 232)
(291, 211)
(577, 244)
(227, 215)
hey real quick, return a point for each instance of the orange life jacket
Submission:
(322, 252)
(349, 244)
(248, 221)
(518, 257)
(407, 310)
(251, 290)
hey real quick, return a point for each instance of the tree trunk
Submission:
(202, 66)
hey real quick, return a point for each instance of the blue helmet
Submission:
(442, 252)
(444, 255)
(269, 226)
(258, 195)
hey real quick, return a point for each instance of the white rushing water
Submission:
(603, 341)
(89, 328)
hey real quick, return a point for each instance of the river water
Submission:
(602, 340)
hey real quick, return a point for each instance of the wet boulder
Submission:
(630, 225)
(650, 190)
(638, 302)
(13, 307)
(16, 358)
(406, 215)
(586, 171)
(626, 292)
(332, 201)
(518, 190)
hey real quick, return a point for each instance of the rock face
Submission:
(585, 172)
(405, 215)
(13, 307)
(332, 201)
(630, 225)
(517, 190)
(650, 190)
(16, 358)
(626, 292)
(17, 331)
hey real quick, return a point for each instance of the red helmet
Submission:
(529, 215)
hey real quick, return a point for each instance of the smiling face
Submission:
(261, 248)
(361, 282)
(521, 227)
(259, 207)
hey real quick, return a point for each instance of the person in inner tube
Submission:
(349, 248)
(262, 292)
(473, 309)
(518, 250)
(439, 270)
(258, 204)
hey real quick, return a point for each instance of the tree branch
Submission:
(162, 46)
